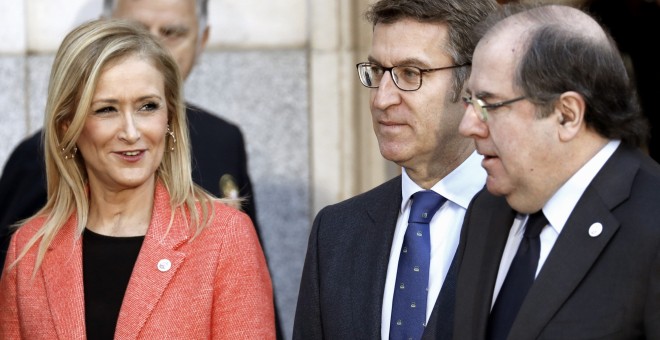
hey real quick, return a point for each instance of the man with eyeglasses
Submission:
(374, 270)
(564, 242)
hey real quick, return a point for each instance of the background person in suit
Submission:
(420, 56)
(552, 110)
(127, 246)
(219, 157)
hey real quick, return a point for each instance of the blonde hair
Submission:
(79, 62)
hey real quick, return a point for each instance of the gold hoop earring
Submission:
(169, 132)
(71, 155)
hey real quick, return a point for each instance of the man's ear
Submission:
(569, 109)
(204, 38)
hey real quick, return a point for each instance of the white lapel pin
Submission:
(595, 229)
(164, 265)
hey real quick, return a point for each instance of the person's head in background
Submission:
(429, 43)
(181, 25)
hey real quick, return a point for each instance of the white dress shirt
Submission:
(458, 187)
(556, 210)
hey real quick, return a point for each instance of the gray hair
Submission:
(202, 11)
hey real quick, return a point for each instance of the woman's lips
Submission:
(132, 155)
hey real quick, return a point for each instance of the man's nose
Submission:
(387, 93)
(471, 125)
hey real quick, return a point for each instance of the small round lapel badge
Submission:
(229, 189)
(228, 186)
(164, 265)
(595, 229)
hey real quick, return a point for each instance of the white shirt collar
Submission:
(561, 204)
(459, 186)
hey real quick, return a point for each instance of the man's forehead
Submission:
(156, 12)
(506, 40)
(409, 42)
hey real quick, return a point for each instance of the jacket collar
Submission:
(63, 276)
(576, 250)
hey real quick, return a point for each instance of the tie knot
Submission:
(424, 205)
(535, 224)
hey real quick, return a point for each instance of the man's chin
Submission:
(393, 155)
(494, 187)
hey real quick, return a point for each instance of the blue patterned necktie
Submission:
(412, 277)
(518, 280)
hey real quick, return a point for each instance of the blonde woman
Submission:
(126, 245)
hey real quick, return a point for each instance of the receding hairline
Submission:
(569, 18)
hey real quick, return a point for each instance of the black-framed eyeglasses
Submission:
(482, 107)
(406, 78)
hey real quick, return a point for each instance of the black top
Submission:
(107, 265)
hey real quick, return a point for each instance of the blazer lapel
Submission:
(569, 261)
(156, 265)
(63, 282)
(576, 250)
(492, 244)
(483, 237)
(370, 270)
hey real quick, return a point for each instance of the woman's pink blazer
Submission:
(215, 287)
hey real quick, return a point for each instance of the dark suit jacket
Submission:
(343, 280)
(217, 149)
(603, 287)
